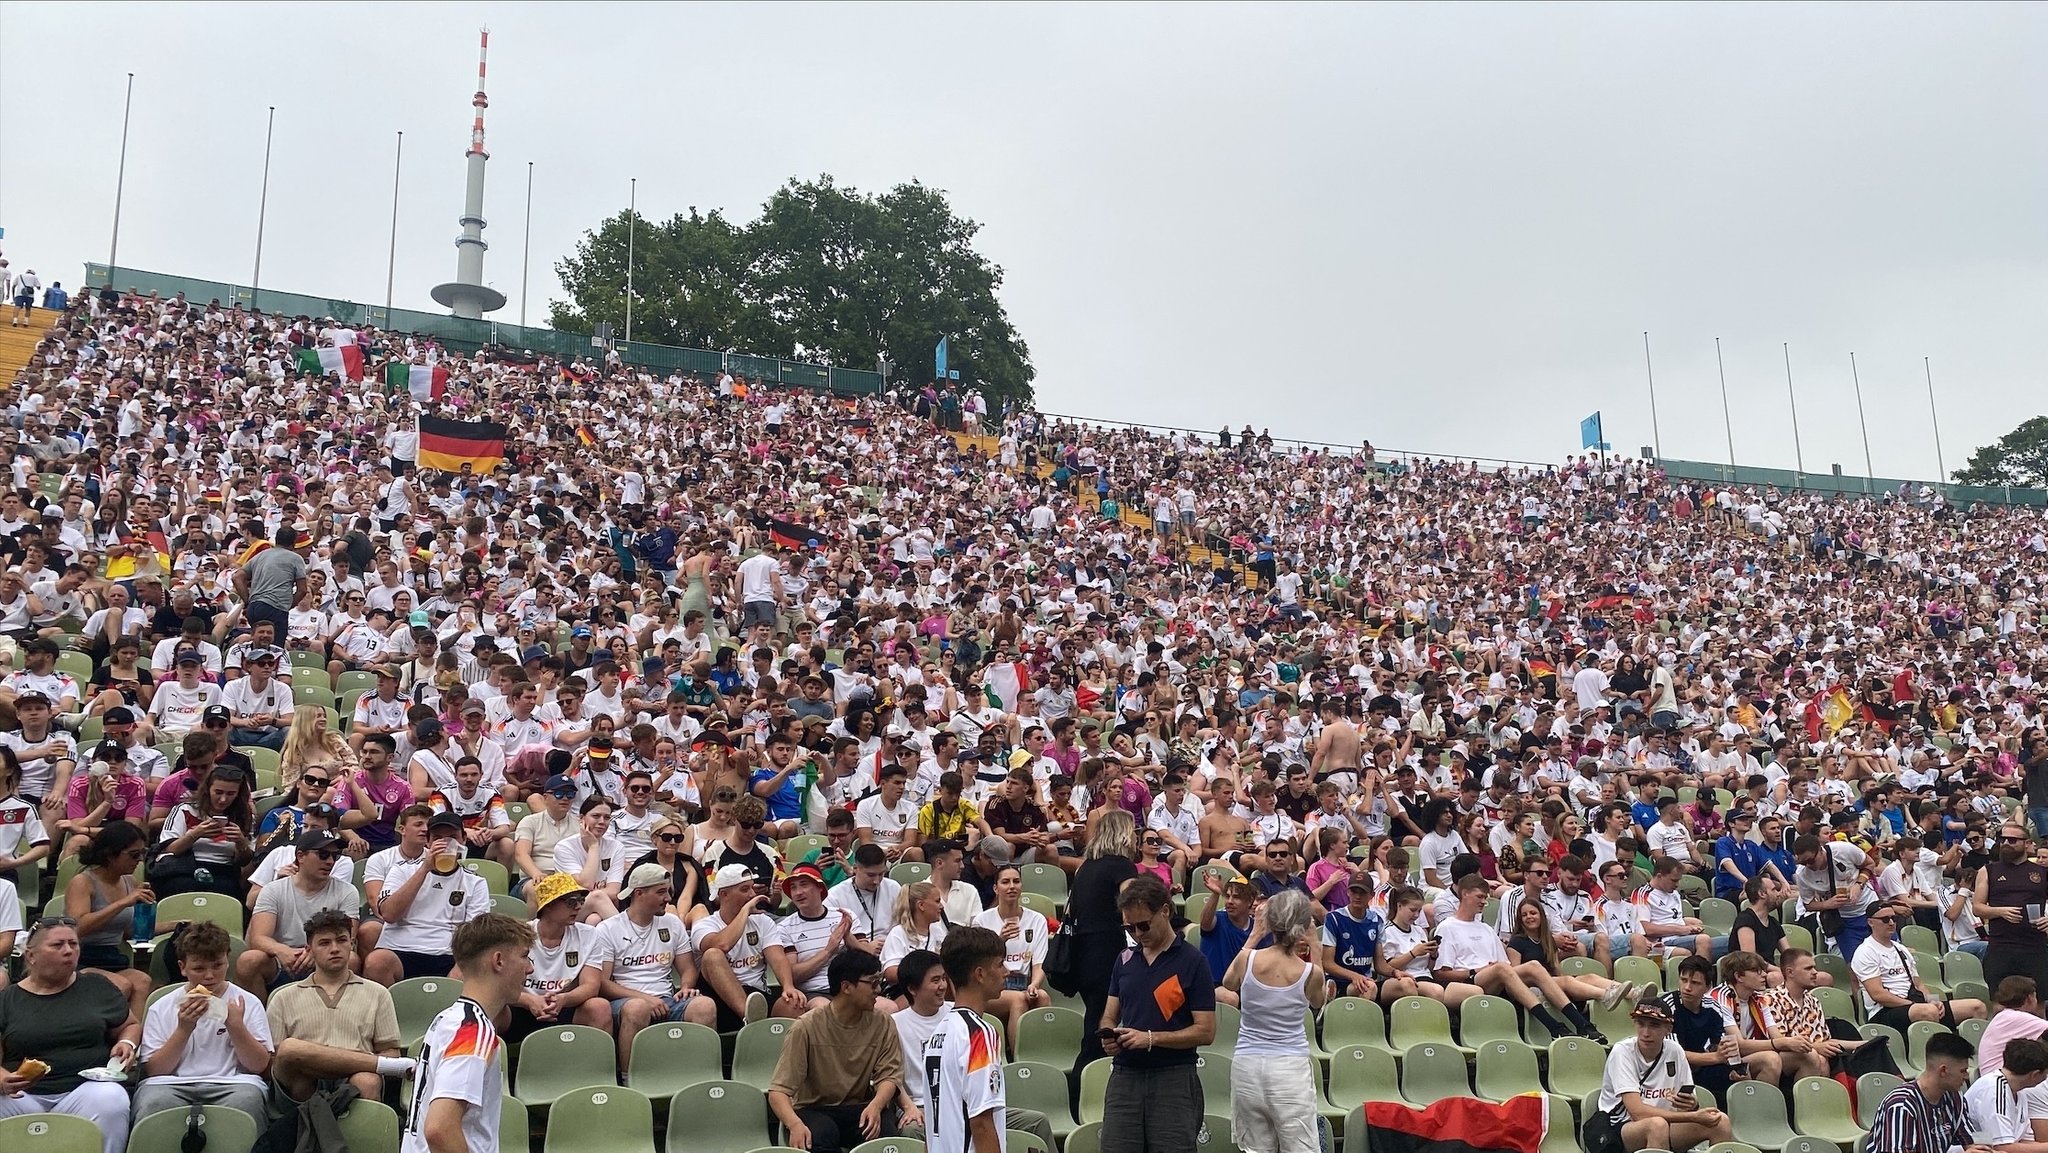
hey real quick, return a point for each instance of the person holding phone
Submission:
(1646, 1096)
(210, 834)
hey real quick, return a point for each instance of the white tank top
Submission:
(1271, 1024)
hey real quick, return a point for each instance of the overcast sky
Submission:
(1444, 228)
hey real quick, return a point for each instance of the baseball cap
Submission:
(189, 657)
(32, 699)
(561, 785)
(728, 876)
(118, 715)
(800, 873)
(429, 731)
(472, 705)
(1651, 1009)
(110, 751)
(580, 631)
(419, 620)
(315, 839)
(444, 821)
(996, 849)
(554, 887)
(599, 749)
(215, 713)
(649, 876)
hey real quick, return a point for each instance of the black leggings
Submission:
(835, 1128)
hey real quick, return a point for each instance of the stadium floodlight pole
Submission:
(1727, 421)
(1798, 454)
(391, 261)
(1650, 374)
(262, 205)
(1869, 470)
(120, 178)
(1927, 367)
(527, 257)
(632, 213)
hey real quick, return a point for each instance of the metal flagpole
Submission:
(262, 205)
(121, 176)
(632, 198)
(1727, 421)
(528, 257)
(391, 262)
(1798, 455)
(1869, 470)
(1656, 437)
(1927, 367)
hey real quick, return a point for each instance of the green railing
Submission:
(469, 335)
(1852, 486)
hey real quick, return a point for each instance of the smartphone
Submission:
(2033, 912)
(1105, 1034)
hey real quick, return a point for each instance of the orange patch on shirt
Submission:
(1169, 996)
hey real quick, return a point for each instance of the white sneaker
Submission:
(757, 1007)
(1616, 993)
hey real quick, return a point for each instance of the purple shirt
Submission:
(390, 796)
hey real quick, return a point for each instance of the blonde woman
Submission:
(920, 924)
(1107, 863)
(309, 743)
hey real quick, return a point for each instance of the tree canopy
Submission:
(2020, 457)
(825, 274)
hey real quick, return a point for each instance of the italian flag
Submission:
(345, 361)
(1005, 682)
(423, 381)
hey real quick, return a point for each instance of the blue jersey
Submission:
(1357, 941)
(1222, 943)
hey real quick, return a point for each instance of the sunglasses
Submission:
(316, 782)
(672, 838)
(1136, 928)
(326, 854)
(751, 824)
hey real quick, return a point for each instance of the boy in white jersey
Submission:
(962, 1068)
(889, 818)
(1646, 1099)
(566, 977)
(644, 961)
(461, 1088)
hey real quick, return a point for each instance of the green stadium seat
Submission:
(756, 1048)
(1797, 937)
(1505, 1069)
(1355, 1021)
(50, 1133)
(560, 1059)
(600, 1119)
(306, 694)
(1227, 1021)
(353, 681)
(1756, 1111)
(1214, 1071)
(1576, 1067)
(1048, 880)
(1718, 915)
(223, 911)
(1640, 970)
(227, 1131)
(1361, 1073)
(1041, 1086)
(715, 1116)
(1820, 1108)
(1084, 1139)
(370, 1127)
(1214, 1135)
(417, 1001)
(1871, 1089)
(1433, 1071)
(1094, 1089)
(1917, 1034)
(1419, 1021)
(1920, 939)
(1972, 1030)
(1837, 1003)
(1958, 966)
(1050, 1035)
(909, 872)
(670, 1057)
(889, 1145)
(1733, 1147)
(492, 872)
(1811, 1145)
(1560, 1136)
(1581, 967)
(1483, 1019)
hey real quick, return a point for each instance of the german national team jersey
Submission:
(459, 1061)
(963, 1077)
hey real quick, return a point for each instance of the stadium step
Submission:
(18, 344)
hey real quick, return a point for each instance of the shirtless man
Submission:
(1337, 749)
(1225, 835)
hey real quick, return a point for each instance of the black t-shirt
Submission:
(1091, 904)
(1628, 684)
(1015, 821)
(755, 860)
(679, 875)
(1297, 805)
(1770, 936)
(70, 1031)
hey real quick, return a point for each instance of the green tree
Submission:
(2020, 457)
(825, 274)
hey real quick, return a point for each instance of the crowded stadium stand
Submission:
(1290, 785)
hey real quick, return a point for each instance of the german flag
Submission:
(449, 444)
(588, 438)
(790, 534)
(1459, 1125)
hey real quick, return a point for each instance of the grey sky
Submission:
(1444, 228)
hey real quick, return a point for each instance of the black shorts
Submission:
(729, 1021)
(424, 964)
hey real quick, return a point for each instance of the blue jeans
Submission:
(2039, 819)
(1975, 949)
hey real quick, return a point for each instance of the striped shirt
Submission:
(1907, 1122)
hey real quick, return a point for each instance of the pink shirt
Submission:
(130, 801)
(2007, 1025)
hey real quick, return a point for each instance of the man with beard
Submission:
(2012, 898)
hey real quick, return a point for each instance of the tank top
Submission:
(1271, 1016)
(117, 930)
(2014, 886)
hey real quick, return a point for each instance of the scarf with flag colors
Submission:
(422, 381)
(449, 444)
(345, 361)
(1006, 682)
(1459, 1125)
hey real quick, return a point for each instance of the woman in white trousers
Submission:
(1272, 1076)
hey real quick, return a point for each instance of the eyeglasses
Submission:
(672, 838)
